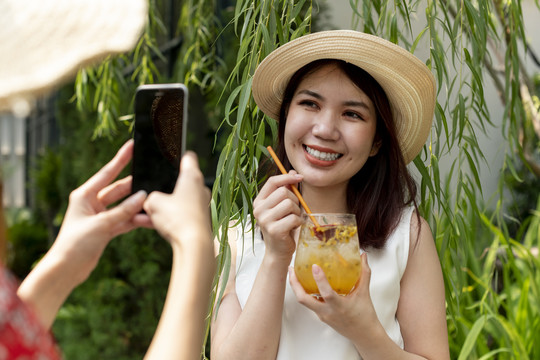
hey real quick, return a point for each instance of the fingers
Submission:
(278, 206)
(362, 284)
(189, 169)
(365, 277)
(142, 220)
(153, 200)
(189, 189)
(296, 286)
(111, 170)
(115, 191)
(277, 196)
(191, 181)
(190, 162)
(325, 290)
(275, 182)
(276, 201)
(303, 298)
(326, 293)
(118, 218)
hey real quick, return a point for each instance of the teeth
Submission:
(322, 155)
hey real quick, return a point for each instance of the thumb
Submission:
(126, 210)
(365, 276)
(362, 284)
(153, 200)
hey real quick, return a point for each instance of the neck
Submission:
(326, 199)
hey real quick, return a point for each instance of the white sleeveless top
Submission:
(303, 335)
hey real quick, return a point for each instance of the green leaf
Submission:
(472, 336)
(245, 95)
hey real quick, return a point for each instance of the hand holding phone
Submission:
(159, 135)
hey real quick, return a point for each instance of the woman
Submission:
(353, 110)
(182, 218)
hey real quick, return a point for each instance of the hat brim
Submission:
(43, 43)
(406, 80)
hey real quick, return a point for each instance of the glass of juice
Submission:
(334, 247)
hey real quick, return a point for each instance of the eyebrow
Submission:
(346, 103)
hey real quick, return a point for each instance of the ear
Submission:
(375, 147)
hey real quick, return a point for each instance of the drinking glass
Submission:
(334, 247)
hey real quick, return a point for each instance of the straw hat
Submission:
(44, 42)
(407, 81)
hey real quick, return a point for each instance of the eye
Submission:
(353, 115)
(308, 103)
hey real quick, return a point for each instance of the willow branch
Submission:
(532, 115)
(487, 63)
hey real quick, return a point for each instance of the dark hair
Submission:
(381, 189)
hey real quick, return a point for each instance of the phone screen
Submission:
(159, 133)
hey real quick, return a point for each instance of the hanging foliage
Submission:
(491, 273)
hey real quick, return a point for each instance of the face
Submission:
(330, 128)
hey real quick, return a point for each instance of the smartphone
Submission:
(159, 136)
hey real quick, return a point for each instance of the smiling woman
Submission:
(331, 129)
(353, 110)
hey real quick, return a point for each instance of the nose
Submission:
(326, 126)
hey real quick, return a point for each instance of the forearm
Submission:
(256, 332)
(47, 287)
(181, 328)
(376, 344)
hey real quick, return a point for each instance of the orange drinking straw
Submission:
(301, 199)
(294, 188)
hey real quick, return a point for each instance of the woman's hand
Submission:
(89, 225)
(183, 217)
(277, 211)
(349, 315)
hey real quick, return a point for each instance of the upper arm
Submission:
(422, 310)
(228, 307)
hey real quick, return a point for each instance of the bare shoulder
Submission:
(423, 255)
(420, 233)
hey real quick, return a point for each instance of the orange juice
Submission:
(335, 248)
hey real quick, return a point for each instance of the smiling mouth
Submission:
(320, 155)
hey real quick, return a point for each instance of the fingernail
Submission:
(315, 269)
(298, 176)
(189, 156)
(138, 196)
